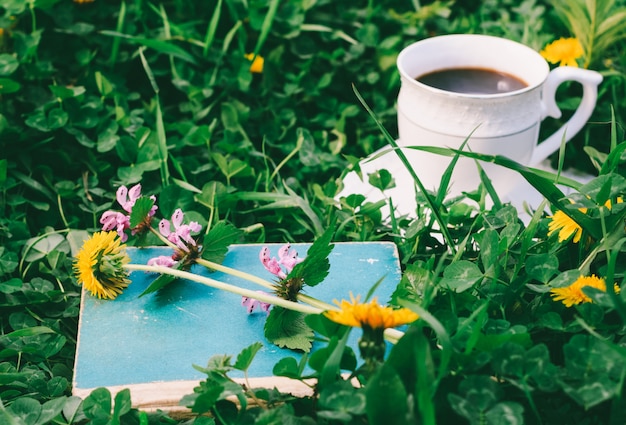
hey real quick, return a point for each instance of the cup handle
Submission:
(590, 81)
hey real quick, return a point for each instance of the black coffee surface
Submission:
(472, 81)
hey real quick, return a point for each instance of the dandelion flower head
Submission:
(369, 315)
(563, 51)
(99, 265)
(574, 295)
(566, 226)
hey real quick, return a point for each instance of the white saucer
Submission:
(520, 194)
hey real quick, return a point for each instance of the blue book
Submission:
(149, 344)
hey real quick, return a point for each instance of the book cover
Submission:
(149, 344)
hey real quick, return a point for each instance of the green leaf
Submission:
(287, 329)
(50, 410)
(585, 379)
(382, 179)
(387, 398)
(461, 276)
(122, 403)
(506, 412)
(542, 266)
(478, 394)
(26, 332)
(287, 366)
(8, 85)
(341, 401)
(62, 92)
(162, 46)
(543, 181)
(97, 405)
(215, 243)
(26, 410)
(244, 359)
(8, 64)
(488, 244)
(316, 264)
(108, 138)
(160, 282)
(55, 118)
(141, 209)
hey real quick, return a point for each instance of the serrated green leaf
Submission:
(244, 359)
(316, 264)
(216, 242)
(287, 329)
(140, 210)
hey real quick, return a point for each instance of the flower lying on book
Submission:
(103, 267)
(99, 265)
(181, 234)
(287, 258)
(250, 304)
(121, 222)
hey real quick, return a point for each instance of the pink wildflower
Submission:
(120, 222)
(251, 304)
(162, 260)
(287, 259)
(181, 235)
(115, 220)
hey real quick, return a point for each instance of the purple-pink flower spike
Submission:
(115, 220)
(251, 304)
(162, 260)
(181, 235)
(120, 222)
(287, 258)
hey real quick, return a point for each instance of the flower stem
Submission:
(270, 299)
(265, 283)
(234, 272)
(163, 238)
(393, 335)
(315, 307)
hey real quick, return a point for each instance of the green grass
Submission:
(108, 93)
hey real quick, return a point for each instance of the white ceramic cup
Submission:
(502, 124)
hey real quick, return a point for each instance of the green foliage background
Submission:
(98, 94)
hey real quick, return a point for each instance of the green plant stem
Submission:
(163, 238)
(314, 302)
(226, 287)
(314, 306)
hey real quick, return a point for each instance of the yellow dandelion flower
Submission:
(563, 51)
(99, 265)
(83, 1)
(257, 63)
(574, 295)
(566, 227)
(371, 315)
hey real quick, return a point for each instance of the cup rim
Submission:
(437, 39)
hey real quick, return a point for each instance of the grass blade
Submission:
(432, 203)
